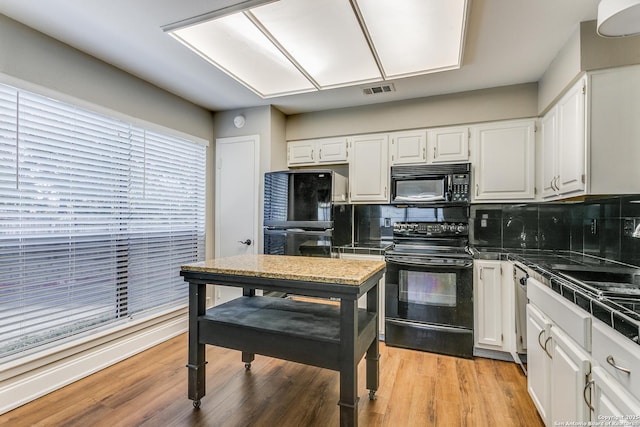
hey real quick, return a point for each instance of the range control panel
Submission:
(431, 228)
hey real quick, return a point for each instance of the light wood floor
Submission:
(416, 389)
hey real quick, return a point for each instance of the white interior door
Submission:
(237, 219)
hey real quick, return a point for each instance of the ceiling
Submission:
(507, 42)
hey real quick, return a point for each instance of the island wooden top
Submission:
(312, 269)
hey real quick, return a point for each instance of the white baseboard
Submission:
(21, 383)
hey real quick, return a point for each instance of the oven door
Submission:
(437, 292)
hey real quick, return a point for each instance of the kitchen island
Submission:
(316, 334)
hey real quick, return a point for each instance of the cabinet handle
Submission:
(434, 152)
(612, 362)
(424, 153)
(545, 348)
(481, 273)
(588, 386)
(320, 154)
(539, 342)
(476, 190)
(311, 154)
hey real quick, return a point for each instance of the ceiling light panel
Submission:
(324, 37)
(414, 37)
(235, 45)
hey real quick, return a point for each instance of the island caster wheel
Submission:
(196, 404)
(247, 366)
(372, 395)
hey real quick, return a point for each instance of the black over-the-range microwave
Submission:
(431, 184)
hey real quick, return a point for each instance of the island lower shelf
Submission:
(299, 331)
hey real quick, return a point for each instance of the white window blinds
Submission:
(97, 215)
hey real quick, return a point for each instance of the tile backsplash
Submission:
(601, 227)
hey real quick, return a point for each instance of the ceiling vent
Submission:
(373, 90)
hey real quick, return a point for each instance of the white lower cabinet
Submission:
(362, 302)
(493, 306)
(539, 361)
(570, 368)
(612, 402)
(559, 363)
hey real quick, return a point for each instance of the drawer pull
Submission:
(612, 362)
(587, 387)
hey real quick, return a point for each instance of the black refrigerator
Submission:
(305, 212)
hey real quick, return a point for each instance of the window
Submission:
(96, 215)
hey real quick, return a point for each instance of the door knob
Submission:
(245, 242)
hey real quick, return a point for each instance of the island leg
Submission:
(247, 358)
(196, 365)
(348, 364)
(373, 353)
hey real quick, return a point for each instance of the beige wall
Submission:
(38, 62)
(500, 103)
(585, 51)
(33, 61)
(563, 70)
(269, 124)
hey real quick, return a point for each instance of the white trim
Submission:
(27, 379)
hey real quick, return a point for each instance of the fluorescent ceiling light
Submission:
(294, 46)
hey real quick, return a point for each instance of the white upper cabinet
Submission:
(409, 147)
(448, 145)
(317, 152)
(369, 168)
(301, 153)
(613, 98)
(504, 160)
(564, 144)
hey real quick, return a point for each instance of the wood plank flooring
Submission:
(416, 389)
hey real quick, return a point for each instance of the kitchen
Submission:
(76, 75)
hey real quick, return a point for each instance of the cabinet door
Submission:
(570, 367)
(448, 144)
(571, 140)
(301, 153)
(408, 147)
(332, 150)
(538, 361)
(369, 168)
(488, 304)
(503, 160)
(549, 140)
(611, 401)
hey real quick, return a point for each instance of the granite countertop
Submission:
(312, 269)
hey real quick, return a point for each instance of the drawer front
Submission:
(611, 348)
(573, 320)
